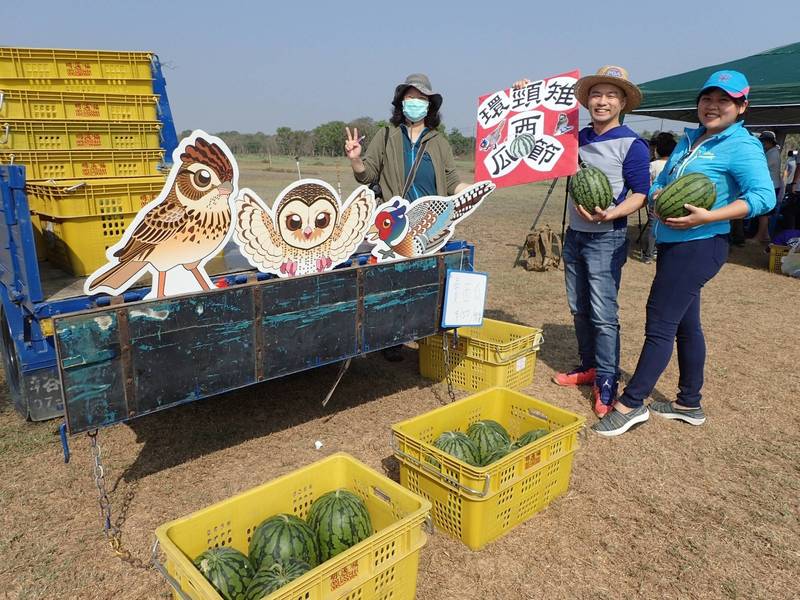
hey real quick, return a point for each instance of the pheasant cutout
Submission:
(404, 229)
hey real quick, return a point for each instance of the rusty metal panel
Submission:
(131, 359)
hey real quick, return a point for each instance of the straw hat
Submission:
(615, 76)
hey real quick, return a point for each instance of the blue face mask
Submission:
(415, 109)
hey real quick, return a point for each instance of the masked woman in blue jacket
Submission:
(692, 249)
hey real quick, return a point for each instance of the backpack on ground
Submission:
(544, 248)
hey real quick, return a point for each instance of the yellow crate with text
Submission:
(479, 504)
(77, 106)
(78, 245)
(495, 354)
(85, 164)
(95, 197)
(776, 253)
(76, 70)
(79, 135)
(382, 566)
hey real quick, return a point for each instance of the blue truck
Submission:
(97, 360)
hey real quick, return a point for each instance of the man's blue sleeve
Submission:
(636, 167)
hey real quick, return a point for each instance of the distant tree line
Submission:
(324, 140)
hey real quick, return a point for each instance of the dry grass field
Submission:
(666, 511)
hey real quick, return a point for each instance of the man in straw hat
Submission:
(595, 245)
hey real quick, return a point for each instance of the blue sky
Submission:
(255, 66)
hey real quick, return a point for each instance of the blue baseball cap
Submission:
(733, 83)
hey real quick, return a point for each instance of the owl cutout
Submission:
(306, 231)
(403, 229)
(175, 235)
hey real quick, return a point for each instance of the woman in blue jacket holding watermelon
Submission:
(692, 249)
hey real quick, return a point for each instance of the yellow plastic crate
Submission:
(76, 106)
(479, 504)
(41, 248)
(496, 354)
(79, 135)
(50, 63)
(79, 245)
(95, 197)
(84, 164)
(776, 253)
(382, 566)
(77, 84)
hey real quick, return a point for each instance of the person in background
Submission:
(663, 144)
(411, 142)
(596, 245)
(692, 250)
(788, 170)
(773, 153)
(791, 199)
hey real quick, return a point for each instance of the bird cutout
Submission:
(491, 141)
(562, 125)
(181, 229)
(307, 230)
(404, 229)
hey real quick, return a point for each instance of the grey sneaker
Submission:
(693, 416)
(615, 423)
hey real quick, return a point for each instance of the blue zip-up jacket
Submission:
(734, 160)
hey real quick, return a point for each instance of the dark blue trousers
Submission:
(673, 314)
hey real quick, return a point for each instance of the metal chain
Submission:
(448, 376)
(112, 532)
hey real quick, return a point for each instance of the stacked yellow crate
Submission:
(85, 125)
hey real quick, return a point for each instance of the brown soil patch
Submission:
(667, 511)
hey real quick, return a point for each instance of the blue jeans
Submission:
(673, 314)
(593, 270)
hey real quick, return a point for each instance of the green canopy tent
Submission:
(774, 78)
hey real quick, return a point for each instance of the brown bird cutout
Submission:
(185, 226)
(307, 231)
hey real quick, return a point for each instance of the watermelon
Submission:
(457, 444)
(282, 537)
(589, 187)
(497, 454)
(522, 145)
(529, 437)
(695, 189)
(228, 570)
(488, 436)
(271, 578)
(341, 520)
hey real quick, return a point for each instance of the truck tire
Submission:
(11, 365)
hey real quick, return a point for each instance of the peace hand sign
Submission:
(352, 145)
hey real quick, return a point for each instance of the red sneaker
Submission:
(605, 396)
(576, 377)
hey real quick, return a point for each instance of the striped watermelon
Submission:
(457, 444)
(529, 437)
(589, 187)
(341, 520)
(271, 578)
(497, 454)
(228, 570)
(488, 436)
(282, 537)
(695, 189)
(522, 145)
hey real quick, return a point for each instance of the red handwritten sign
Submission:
(530, 134)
